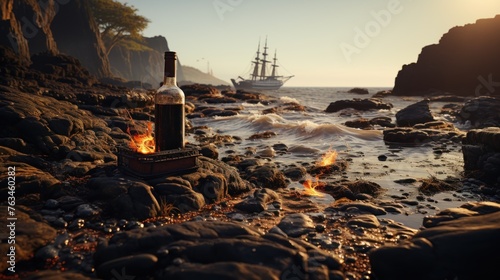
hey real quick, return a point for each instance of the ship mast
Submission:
(273, 74)
(256, 62)
(264, 61)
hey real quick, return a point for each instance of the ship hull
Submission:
(270, 84)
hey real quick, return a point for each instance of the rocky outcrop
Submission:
(465, 62)
(81, 38)
(30, 27)
(463, 248)
(481, 152)
(20, 28)
(423, 133)
(143, 63)
(481, 112)
(358, 104)
(415, 114)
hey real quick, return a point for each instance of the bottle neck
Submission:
(170, 69)
(169, 81)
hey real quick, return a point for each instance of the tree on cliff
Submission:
(117, 21)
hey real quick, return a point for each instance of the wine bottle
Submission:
(169, 109)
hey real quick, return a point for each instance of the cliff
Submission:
(193, 75)
(465, 62)
(139, 60)
(143, 61)
(56, 27)
(29, 27)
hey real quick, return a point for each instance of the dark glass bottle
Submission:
(169, 109)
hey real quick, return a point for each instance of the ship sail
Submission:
(262, 81)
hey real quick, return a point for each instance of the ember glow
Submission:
(310, 185)
(328, 159)
(144, 143)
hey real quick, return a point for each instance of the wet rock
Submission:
(351, 189)
(267, 176)
(125, 198)
(481, 151)
(481, 112)
(360, 123)
(482, 207)
(358, 90)
(412, 261)
(51, 204)
(417, 257)
(364, 207)
(382, 121)
(415, 114)
(419, 136)
(259, 201)
(210, 151)
(295, 172)
(358, 104)
(68, 203)
(234, 248)
(297, 224)
(87, 210)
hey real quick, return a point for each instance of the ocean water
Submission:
(310, 134)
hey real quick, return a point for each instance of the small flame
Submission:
(310, 186)
(328, 159)
(144, 143)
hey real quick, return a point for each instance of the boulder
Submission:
(414, 114)
(358, 104)
(258, 201)
(461, 248)
(481, 112)
(481, 151)
(124, 198)
(464, 62)
(210, 250)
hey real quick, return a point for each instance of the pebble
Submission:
(409, 202)
(134, 225)
(365, 220)
(330, 244)
(61, 240)
(87, 210)
(76, 224)
(382, 158)
(68, 217)
(237, 217)
(277, 230)
(296, 224)
(51, 204)
(320, 228)
(59, 223)
(350, 259)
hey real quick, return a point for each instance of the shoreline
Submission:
(76, 194)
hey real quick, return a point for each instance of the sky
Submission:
(321, 42)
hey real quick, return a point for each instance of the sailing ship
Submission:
(262, 81)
